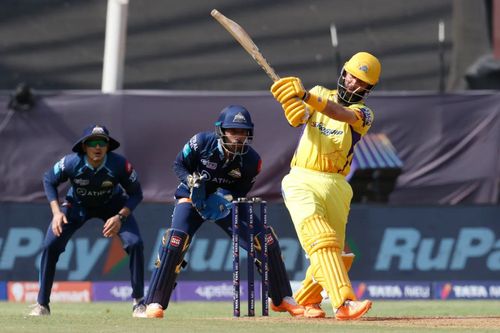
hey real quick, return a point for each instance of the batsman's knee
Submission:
(315, 234)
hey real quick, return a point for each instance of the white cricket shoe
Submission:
(139, 310)
(39, 310)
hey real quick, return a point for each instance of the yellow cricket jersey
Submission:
(326, 144)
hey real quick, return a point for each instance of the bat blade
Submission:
(245, 41)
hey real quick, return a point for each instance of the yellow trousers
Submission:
(327, 198)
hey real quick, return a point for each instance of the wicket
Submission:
(237, 208)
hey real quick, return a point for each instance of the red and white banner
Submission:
(74, 292)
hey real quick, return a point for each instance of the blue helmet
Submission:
(234, 116)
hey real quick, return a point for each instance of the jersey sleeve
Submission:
(130, 183)
(55, 176)
(364, 117)
(187, 159)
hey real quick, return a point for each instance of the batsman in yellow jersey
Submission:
(315, 191)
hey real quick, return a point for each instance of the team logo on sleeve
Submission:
(235, 173)
(193, 143)
(133, 176)
(366, 115)
(59, 166)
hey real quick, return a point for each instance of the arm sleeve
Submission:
(187, 159)
(53, 177)
(130, 183)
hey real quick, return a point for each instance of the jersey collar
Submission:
(88, 165)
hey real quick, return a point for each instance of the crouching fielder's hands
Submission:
(57, 222)
(112, 226)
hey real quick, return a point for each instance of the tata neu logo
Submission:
(61, 292)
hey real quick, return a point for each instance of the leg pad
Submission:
(327, 267)
(170, 260)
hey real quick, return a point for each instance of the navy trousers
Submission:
(53, 246)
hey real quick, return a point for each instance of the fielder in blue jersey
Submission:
(213, 168)
(104, 185)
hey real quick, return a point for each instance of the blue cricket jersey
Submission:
(203, 153)
(94, 188)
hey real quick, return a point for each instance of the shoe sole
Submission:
(39, 315)
(359, 315)
(156, 314)
(280, 309)
(322, 315)
(317, 312)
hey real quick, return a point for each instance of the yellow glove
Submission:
(296, 111)
(287, 88)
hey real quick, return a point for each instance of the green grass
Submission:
(385, 316)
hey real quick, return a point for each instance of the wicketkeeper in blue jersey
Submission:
(104, 185)
(214, 167)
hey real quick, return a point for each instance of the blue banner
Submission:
(390, 244)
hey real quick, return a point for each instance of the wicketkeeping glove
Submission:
(217, 205)
(195, 179)
(196, 183)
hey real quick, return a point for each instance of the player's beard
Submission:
(234, 149)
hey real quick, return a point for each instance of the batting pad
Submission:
(327, 267)
(310, 291)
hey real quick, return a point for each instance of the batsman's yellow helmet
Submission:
(364, 66)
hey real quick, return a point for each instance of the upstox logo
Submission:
(405, 249)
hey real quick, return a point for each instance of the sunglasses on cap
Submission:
(96, 142)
